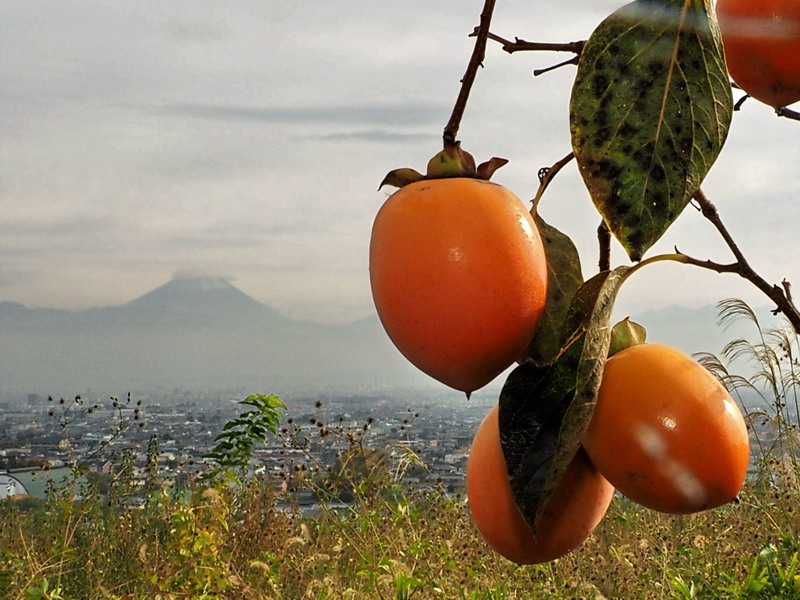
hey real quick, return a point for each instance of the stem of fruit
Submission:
(476, 60)
(604, 240)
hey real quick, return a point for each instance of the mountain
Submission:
(697, 329)
(203, 333)
(198, 333)
(200, 294)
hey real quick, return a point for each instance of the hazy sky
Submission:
(140, 140)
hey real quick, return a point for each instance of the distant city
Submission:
(428, 436)
(189, 350)
(41, 433)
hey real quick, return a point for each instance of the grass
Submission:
(219, 544)
(229, 539)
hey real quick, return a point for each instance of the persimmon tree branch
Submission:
(781, 112)
(519, 45)
(788, 113)
(781, 294)
(475, 62)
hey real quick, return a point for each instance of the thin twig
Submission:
(779, 294)
(572, 61)
(788, 113)
(476, 60)
(519, 45)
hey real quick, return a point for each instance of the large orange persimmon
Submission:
(571, 514)
(762, 47)
(458, 276)
(666, 433)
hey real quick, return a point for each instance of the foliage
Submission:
(409, 545)
(772, 389)
(393, 540)
(231, 456)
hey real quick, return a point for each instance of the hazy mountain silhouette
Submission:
(202, 333)
(203, 294)
(193, 333)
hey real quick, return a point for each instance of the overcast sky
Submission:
(140, 140)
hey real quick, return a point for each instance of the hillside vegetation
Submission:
(232, 534)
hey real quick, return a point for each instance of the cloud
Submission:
(198, 271)
(375, 135)
(385, 114)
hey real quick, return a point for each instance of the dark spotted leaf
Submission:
(544, 410)
(649, 113)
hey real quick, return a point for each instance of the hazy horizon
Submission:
(141, 140)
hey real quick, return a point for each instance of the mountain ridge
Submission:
(204, 333)
(194, 333)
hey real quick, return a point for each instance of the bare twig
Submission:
(781, 112)
(572, 61)
(519, 45)
(476, 60)
(779, 294)
(788, 113)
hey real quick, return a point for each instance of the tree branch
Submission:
(476, 60)
(788, 113)
(519, 45)
(779, 294)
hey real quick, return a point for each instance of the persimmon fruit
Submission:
(458, 276)
(666, 433)
(762, 47)
(571, 514)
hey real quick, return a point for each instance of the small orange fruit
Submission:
(459, 277)
(571, 514)
(762, 47)
(666, 433)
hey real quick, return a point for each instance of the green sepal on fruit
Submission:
(625, 334)
(453, 161)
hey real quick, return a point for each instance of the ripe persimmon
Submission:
(571, 514)
(458, 276)
(762, 47)
(666, 433)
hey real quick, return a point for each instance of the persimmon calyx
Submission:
(625, 334)
(453, 161)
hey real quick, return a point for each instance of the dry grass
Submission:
(399, 543)
(215, 544)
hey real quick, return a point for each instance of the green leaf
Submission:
(649, 114)
(533, 402)
(564, 277)
(544, 410)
